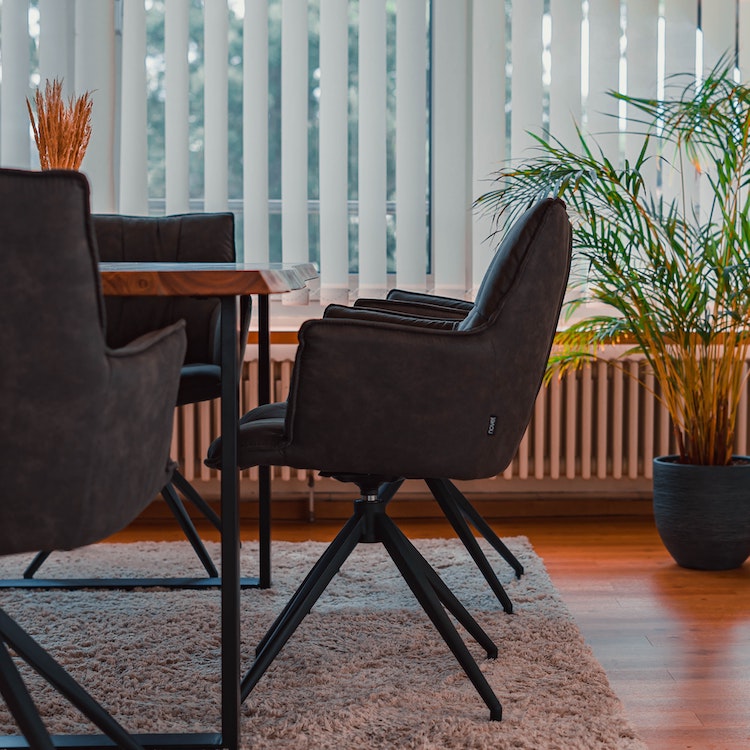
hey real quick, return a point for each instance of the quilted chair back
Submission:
(188, 238)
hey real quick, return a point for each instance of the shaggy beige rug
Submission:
(366, 669)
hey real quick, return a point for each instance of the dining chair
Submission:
(69, 404)
(185, 238)
(374, 400)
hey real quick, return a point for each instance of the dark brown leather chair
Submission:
(86, 429)
(375, 399)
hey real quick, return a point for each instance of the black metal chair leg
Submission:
(302, 602)
(39, 660)
(325, 559)
(35, 564)
(190, 493)
(476, 520)
(446, 596)
(388, 490)
(21, 705)
(179, 512)
(430, 602)
(442, 494)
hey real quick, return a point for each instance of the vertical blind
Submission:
(425, 96)
(371, 148)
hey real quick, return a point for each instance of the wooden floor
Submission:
(674, 643)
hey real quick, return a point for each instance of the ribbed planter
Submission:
(702, 513)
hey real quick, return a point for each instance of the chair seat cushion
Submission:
(199, 383)
(262, 439)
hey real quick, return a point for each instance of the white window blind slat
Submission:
(133, 161)
(526, 81)
(451, 183)
(334, 210)
(176, 109)
(411, 129)
(95, 72)
(642, 33)
(565, 70)
(372, 156)
(565, 95)
(603, 74)
(294, 72)
(641, 55)
(56, 47)
(215, 102)
(718, 26)
(15, 148)
(255, 130)
(488, 118)
(680, 26)
(744, 37)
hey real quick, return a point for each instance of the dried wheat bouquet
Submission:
(61, 131)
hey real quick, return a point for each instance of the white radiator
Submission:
(594, 424)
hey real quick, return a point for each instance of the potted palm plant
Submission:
(671, 278)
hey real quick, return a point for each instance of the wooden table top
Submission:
(203, 279)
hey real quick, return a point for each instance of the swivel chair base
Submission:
(370, 524)
(460, 513)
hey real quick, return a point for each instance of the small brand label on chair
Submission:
(491, 426)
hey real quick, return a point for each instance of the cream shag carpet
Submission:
(366, 669)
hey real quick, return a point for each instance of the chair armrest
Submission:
(429, 299)
(351, 407)
(148, 341)
(137, 418)
(387, 316)
(414, 308)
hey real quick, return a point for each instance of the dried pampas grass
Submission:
(61, 131)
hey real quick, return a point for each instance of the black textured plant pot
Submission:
(702, 513)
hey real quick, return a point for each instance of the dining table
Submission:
(228, 282)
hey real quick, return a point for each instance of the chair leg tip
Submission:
(496, 714)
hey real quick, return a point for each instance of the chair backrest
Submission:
(52, 335)
(58, 380)
(517, 307)
(187, 238)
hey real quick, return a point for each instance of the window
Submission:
(353, 132)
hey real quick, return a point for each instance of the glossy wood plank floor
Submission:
(675, 643)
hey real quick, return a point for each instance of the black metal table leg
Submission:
(230, 544)
(264, 472)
